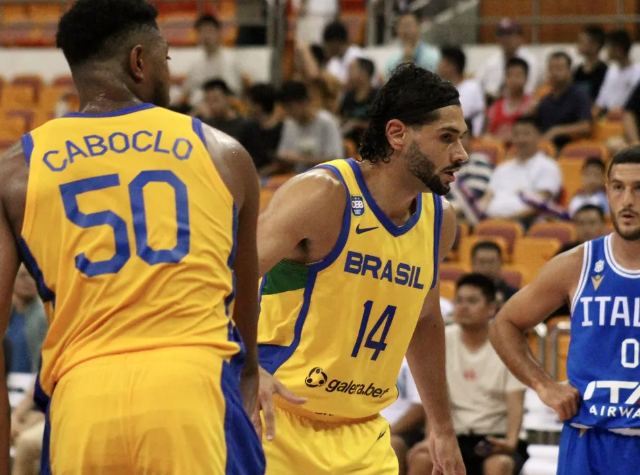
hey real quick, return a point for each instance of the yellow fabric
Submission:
(309, 447)
(151, 412)
(166, 290)
(336, 331)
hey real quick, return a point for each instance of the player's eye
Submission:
(447, 138)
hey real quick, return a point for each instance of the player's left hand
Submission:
(502, 446)
(445, 454)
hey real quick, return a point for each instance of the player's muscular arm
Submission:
(238, 172)
(302, 221)
(426, 357)
(12, 184)
(553, 287)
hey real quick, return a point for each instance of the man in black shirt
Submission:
(590, 74)
(262, 132)
(217, 110)
(360, 93)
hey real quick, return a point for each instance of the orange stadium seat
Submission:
(50, 96)
(605, 129)
(31, 80)
(585, 149)
(467, 245)
(49, 13)
(563, 231)
(64, 80)
(509, 230)
(41, 117)
(11, 128)
(534, 252)
(451, 271)
(462, 231)
(525, 273)
(494, 149)
(513, 277)
(448, 289)
(571, 177)
(17, 96)
(26, 115)
(12, 14)
(265, 197)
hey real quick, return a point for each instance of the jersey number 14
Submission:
(378, 345)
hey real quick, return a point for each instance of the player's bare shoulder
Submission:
(14, 178)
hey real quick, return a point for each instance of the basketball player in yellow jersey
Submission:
(138, 225)
(349, 253)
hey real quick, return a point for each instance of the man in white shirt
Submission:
(216, 62)
(491, 75)
(451, 67)
(313, 16)
(622, 75)
(487, 401)
(339, 51)
(531, 175)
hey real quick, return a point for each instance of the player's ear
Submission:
(396, 133)
(136, 63)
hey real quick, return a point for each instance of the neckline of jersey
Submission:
(125, 111)
(614, 264)
(389, 225)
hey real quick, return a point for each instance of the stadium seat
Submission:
(31, 80)
(571, 177)
(585, 149)
(605, 129)
(563, 231)
(177, 28)
(467, 245)
(462, 231)
(516, 269)
(534, 252)
(17, 96)
(513, 277)
(448, 289)
(12, 14)
(40, 117)
(64, 80)
(451, 271)
(49, 13)
(265, 197)
(494, 149)
(50, 97)
(26, 115)
(12, 128)
(509, 230)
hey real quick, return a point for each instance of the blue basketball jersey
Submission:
(604, 353)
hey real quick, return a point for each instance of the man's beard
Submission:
(421, 166)
(633, 235)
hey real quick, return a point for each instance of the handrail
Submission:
(562, 328)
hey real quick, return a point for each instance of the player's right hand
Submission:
(268, 387)
(561, 397)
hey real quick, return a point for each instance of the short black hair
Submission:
(518, 63)
(94, 28)
(594, 161)
(293, 91)
(590, 207)
(596, 34)
(335, 31)
(367, 66)
(561, 55)
(456, 56)
(412, 95)
(486, 245)
(628, 155)
(481, 282)
(207, 19)
(217, 83)
(264, 95)
(528, 119)
(620, 39)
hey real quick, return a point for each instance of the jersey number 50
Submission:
(70, 192)
(385, 319)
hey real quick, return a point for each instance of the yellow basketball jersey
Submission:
(336, 331)
(130, 232)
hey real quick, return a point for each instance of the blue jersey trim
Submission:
(437, 228)
(125, 111)
(389, 225)
(196, 124)
(45, 457)
(45, 292)
(27, 147)
(273, 356)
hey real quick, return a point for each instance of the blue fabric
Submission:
(244, 449)
(597, 452)
(16, 334)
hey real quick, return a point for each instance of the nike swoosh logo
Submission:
(382, 435)
(360, 230)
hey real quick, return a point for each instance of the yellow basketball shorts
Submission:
(309, 447)
(174, 411)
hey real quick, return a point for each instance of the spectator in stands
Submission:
(622, 75)
(309, 66)
(593, 190)
(451, 68)
(261, 135)
(217, 110)
(590, 74)
(27, 325)
(487, 401)
(631, 117)
(492, 75)
(216, 61)
(360, 94)
(27, 431)
(486, 259)
(338, 51)
(590, 224)
(405, 416)
(309, 137)
(564, 113)
(410, 47)
(530, 176)
(313, 16)
(514, 104)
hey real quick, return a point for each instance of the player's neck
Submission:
(104, 93)
(626, 253)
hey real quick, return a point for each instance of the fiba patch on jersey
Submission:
(357, 205)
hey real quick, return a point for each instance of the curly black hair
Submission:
(412, 95)
(90, 27)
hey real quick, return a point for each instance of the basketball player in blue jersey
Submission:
(350, 252)
(139, 226)
(600, 281)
